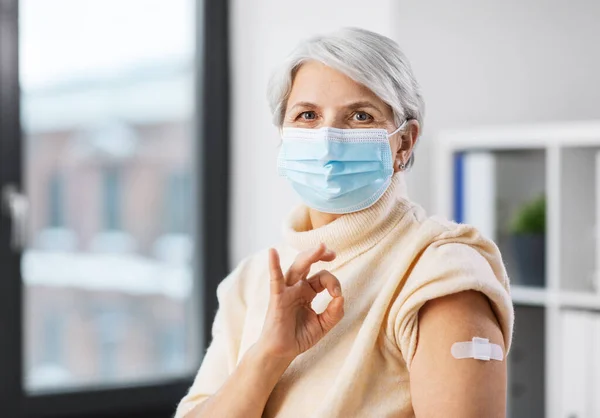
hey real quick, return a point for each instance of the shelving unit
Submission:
(579, 300)
(531, 296)
(505, 167)
(528, 296)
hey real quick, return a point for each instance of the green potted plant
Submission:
(528, 231)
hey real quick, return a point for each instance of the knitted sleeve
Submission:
(222, 354)
(444, 269)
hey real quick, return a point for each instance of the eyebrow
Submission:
(362, 104)
(351, 106)
(303, 104)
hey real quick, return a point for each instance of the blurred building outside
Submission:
(108, 140)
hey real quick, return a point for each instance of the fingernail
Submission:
(337, 291)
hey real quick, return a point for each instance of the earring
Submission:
(401, 166)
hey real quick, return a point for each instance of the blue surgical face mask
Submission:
(337, 170)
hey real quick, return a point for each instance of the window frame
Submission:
(150, 399)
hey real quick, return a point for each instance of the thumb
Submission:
(333, 314)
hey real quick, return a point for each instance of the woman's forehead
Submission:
(321, 85)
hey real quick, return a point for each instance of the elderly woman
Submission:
(359, 311)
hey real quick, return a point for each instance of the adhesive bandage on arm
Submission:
(479, 349)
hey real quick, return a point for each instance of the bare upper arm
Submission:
(442, 386)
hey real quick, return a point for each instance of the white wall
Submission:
(478, 62)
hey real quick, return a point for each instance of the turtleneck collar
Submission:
(352, 234)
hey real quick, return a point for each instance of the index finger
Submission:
(276, 275)
(301, 266)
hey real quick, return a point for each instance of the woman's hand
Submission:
(291, 325)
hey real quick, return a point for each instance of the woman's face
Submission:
(324, 97)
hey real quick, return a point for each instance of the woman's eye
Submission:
(362, 116)
(308, 115)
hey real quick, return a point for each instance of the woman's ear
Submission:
(408, 140)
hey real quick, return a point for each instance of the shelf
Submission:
(580, 300)
(529, 296)
(584, 133)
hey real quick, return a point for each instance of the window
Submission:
(111, 199)
(54, 340)
(178, 202)
(56, 217)
(113, 113)
(113, 286)
(171, 348)
(110, 336)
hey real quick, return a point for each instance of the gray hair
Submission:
(368, 58)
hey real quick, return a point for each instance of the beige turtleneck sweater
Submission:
(391, 260)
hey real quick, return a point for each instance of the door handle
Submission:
(16, 206)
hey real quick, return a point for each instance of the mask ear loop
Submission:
(398, 129)
(402, 165)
